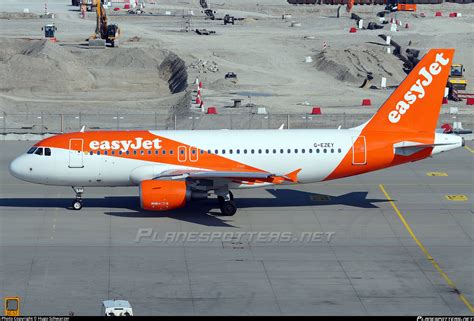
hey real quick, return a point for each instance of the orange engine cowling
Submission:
(156, 195)
(160, 195)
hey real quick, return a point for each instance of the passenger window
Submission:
(47, 151)
(98, 152)
(238, 151)
(325, 151)
(302, 150)
(156, 152)
(149, 152)
(209, 151)
(289, 151)
(332, 150)
(317, 150)
(39, 151)
(310, 150)
(164, 152)
(105, 152)
(245, 151)
(259, 151)
(296, 151)
(171, 152)
(120, 152)
(274, 151)
(127, 152)
(266, 151)
(281, 151)
(216, 152)
(223, 151)
(91, 153)
(252, 151)
(202, 151)
(181, 151)
(31, 150)
(339, 150)
(230, 151)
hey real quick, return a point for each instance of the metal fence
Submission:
(44, 123)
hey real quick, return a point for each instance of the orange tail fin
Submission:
(416, 103)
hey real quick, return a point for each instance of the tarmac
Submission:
(400, 244)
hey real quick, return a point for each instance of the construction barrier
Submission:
(212, 111)
(470, 101)
(316, 111)
(445, 100)
(366, 102)
(353, 30)
(438, 14)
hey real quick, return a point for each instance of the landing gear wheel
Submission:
(76, 205)
(222, 200)
(228, 208)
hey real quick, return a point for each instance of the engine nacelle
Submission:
(161, 195)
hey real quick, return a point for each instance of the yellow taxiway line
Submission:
(425, 251)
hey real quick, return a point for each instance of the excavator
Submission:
(104, 33)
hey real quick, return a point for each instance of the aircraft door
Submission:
(76, 154)
(359, 151)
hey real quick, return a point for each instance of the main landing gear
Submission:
(77, 203)
(226, 203)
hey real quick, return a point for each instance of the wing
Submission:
(185, 173)
(230, 175)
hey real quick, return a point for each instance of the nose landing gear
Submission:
(77, 203)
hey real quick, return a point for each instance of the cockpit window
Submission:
(31, 150)
(47, 151)
(39, 151)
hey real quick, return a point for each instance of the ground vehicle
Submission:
(49, 31)
(104, 33)
(172, 168)
(116, 308)
(456, 78)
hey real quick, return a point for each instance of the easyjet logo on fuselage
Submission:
(124, 145)
(417, 91)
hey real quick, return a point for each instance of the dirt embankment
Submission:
(41, 68)
(353, 64)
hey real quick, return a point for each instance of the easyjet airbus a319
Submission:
(172, 168)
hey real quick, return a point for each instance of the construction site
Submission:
(247, 64)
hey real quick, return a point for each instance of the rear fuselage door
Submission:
(359, 151)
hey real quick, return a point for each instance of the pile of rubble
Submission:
(204, 66)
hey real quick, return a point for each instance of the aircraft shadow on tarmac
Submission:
(204, 212)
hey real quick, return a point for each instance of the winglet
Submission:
(83, 129)
(293, 176)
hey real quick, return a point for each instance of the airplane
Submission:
(172, 168)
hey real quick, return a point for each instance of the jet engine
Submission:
(163, 195)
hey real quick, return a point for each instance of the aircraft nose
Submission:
(19, 167)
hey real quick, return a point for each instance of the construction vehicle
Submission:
(228, 19)
(456, 78)
(12, 307)
(104, 33)
(49, 31)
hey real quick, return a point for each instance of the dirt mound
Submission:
(41, 65)
(47, 68)
(353, 64)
